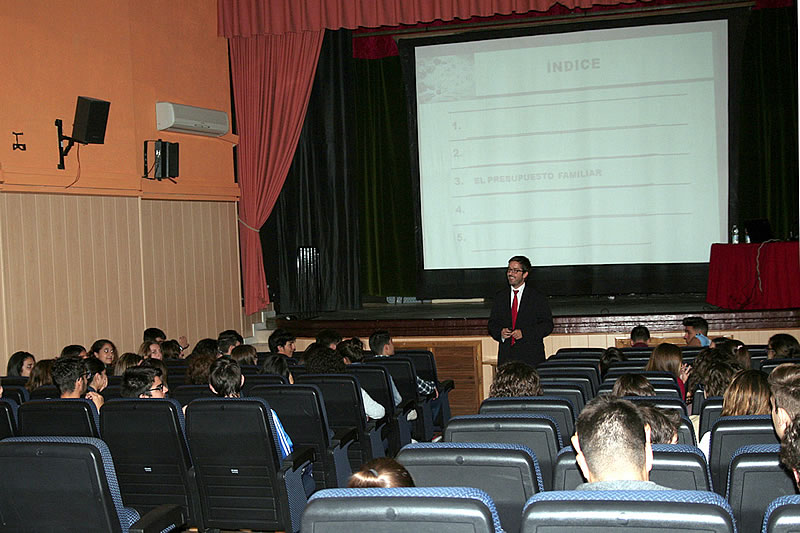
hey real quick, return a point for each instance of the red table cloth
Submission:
(754, 276)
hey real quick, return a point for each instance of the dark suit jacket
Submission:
(533, 318)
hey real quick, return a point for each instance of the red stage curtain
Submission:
(272, 79)
(245, 18)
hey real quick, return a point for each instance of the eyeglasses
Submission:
(514, 271)
(159, 388)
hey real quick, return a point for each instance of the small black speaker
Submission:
(91, 116)
(166, 165)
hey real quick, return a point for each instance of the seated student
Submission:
(20, 364)
(695, 331)
(610, 355)
(352, 351)
(790, 449)
(225, 379)
(171, 349)
(667, 357)
(664, 423)
(329, 338)
(322, 360)
(381, 473)
(640, 336)
(747, 394)
(783, 346)
(143, 382)
(150, 349)
(74, 350)
(245, 354)
(205, 347)
(104, 350)
(734, 350)
(98, 378)
(275, 363)
(42, 374)
(70, 377)
(198, 368)
(227, 341)
(282, 342)
(515, 379)
(612, 446)
(784, 382)
(381, 345)
(153, 335)
(126, 361)
(632, 385)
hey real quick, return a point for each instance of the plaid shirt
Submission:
(425, 387)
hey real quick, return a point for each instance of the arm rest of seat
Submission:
(159, 519)
(344, 437)
(301, 456)
(405, 407)
(446, 385)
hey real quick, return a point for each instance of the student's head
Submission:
(515, 379)
(126, 361)
(206, 347)
(783, 346)
(70, 376)
(245, 354)
(734, 350)
(640, 334)
(150, 349)
(719, 374)
(275, 363)
(42, 374)
(73, 350)
(104, 350)
(197, 369)
(748, 394)
(98, 377)
(351, 350)
(664, 423)
(692, 325)
(20, 364)
(143, 382)
(790, 448)
(225, 378)
(383, 473)
(609, 356)
(282, 342)
(231, 333)
(171, 349)
(380, 342)
(322, 360)
(612, 441)
(784, 382)
(226, 342)
(153, 335)
(329, 338)
(632, 385)
(666, 357)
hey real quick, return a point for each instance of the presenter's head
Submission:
(518, 268)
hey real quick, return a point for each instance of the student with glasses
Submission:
(143, 382)
(71, 377)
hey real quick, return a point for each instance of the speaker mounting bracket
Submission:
(62, 150)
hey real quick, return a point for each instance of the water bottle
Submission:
(735, 234)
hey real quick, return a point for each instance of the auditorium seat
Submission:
(573, 371)
(631, 366)
(425, 365)
(186, 393)
(560, 409)
(709, 413)
(18, 381)
(782, 515)
(679, 511)
(731, 433)
(402, 510)
(508, 473)
(8, 418)
(756, 478)
(562, 389)
(261, 379)
(45, 392)
(76, 417)
(579, 352)
(662, 402)
(768, 365)
(17, 393)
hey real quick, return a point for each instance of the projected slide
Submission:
(597, 147)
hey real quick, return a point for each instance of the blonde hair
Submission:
(381, 473)
(748, 394)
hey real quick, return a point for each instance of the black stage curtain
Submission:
(318, 204)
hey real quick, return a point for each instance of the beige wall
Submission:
(77, 268)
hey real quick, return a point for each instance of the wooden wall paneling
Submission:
(62, 321)
(50, 293)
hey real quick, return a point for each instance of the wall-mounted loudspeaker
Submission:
(166, 154)
(91, 116)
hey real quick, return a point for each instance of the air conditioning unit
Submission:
(189, 119)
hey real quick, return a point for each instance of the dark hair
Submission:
(633, 385)
(245, 354)
(72, 350)
(66, 371)
(42, 374)
(126, 361)
(138, 380)
(383, 472)
(352, 349)
(747, 394)
(153, 334)
(206, 347)
(231, 333)
(696, 322)
(524, 262)
(197, 370)
(171, 349)
(279, 338)
(784, 381)
(664, 423)
(227, 342)
(94, 366)
(378, 340)
(326, 337)
(514, 379)
(610, 432)
(640, 334)
(322, 360)
(666, 357)
(718, 376)
(790, 446)
(784, 345)
(225, 378)
(275, 363)
(97, 345)
(159, 364)
(608, 356)
(15, 362)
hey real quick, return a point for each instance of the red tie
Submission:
(514, 305)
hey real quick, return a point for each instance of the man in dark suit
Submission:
(520, 318)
